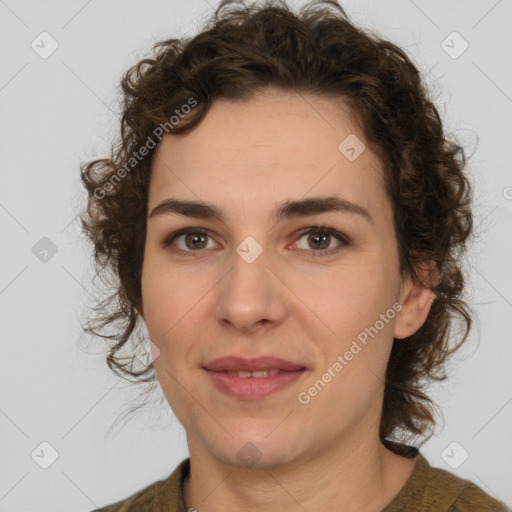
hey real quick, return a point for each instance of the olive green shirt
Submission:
(428, 489)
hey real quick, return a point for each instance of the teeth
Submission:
(260, 373)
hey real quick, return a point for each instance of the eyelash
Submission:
(317, 228)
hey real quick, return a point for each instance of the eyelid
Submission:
(343, 239)
(184, 231)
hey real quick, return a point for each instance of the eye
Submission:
(196, 239)
(193, 239)
(321, 237)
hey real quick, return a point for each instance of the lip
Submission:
(234, 363)
(252, 388)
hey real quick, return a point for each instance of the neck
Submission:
(352, 476)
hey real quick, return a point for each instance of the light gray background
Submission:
(55, 113)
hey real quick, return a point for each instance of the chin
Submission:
(254, 456)
(264, 446)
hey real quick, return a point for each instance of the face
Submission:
(253, 284)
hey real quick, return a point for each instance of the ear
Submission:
(416, 300)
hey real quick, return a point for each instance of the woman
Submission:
(286, 217)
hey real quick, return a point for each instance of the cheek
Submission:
(168, 318)
(351, 298)
(174, 306)
(166, 294)
(165, 308)
(169, 304)
(355, 351)
(352, 309)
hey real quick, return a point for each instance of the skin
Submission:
(245, 157)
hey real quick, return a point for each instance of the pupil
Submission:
(316, 238)
(195, 238)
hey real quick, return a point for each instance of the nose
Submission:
(251, 295)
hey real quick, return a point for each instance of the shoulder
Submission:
(473, 497)
(443, 490)
(432, 489)
(162, 495)
(140, 501)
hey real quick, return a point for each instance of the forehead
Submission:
(275, 145)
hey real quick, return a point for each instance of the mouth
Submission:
(257, 374)
(269, 364)
(256, 385)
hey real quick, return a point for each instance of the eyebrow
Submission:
(287, 209)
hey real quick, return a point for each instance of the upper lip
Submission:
(234, 363)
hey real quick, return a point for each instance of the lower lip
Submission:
(253, 388)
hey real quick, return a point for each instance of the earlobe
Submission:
(416, 300)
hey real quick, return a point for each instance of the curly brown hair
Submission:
(241, 50)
